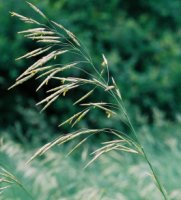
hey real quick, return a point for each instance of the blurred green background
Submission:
(142, 42)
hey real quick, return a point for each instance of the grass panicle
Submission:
(56, 41)
(7, 179)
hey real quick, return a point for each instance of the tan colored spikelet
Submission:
(70, 34)
(46, 73)
(47, 99)
(70, 119)
(107, 146)
(104, 63)
(101, 106)
(117, 89)
(42, 61)
(80, 117)
(37, 10)
(59, 25)
(59, 52)
(43, 37)
(40, 52)
(95, 157)
(68, 66)
(23, 18)
(31, 21)
(18, 15)
(61, 140)
(101, 151)
(86, 131)
(126, 149)
(33, 30)
(37, 64)
(100, 83)
(61, 86)
(38, 152)
(39, 33)
(21, 81)
(78, 145)
(49, 41)
(109, 88)
(56, 93)
(56, 70)
(73, 37)
(84, 97)
(41, 69)
(74, 79)
(29, 54)
(51, 75)
(49, 103)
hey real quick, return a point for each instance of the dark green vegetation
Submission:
(142, 44)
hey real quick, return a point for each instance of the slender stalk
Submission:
(157, 180)
(158, 183)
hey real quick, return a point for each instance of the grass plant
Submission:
(57, 41)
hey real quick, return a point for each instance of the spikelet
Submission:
(49, 41)
(41, 37)
(69, 120)
(41, 69)
(101, 105)
(21, 81)
(54, 71)
(84, 97)
(99, 83)
(61, 86)
(117, 89)
(49, 103)
(47, 99)
(56, 93)
(80, 117)
(95, 157)
(42, 61)
(34, 53)
(46, 73)
(61, 140)
(40, 52)
(37, 64)
(37, 10)
(29, 54)
(68, 66)
(109, 88)
(38, 153)
(33, 30)
(23, 18)
(70, 34)
(76, 146)
(104, 63)
(39, 33)
(74, 79)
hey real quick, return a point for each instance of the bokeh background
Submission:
(142, 42)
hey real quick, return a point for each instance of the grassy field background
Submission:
(112, 177)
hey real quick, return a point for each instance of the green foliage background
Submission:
(142, 42)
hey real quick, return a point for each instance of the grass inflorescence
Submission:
(56, 42)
